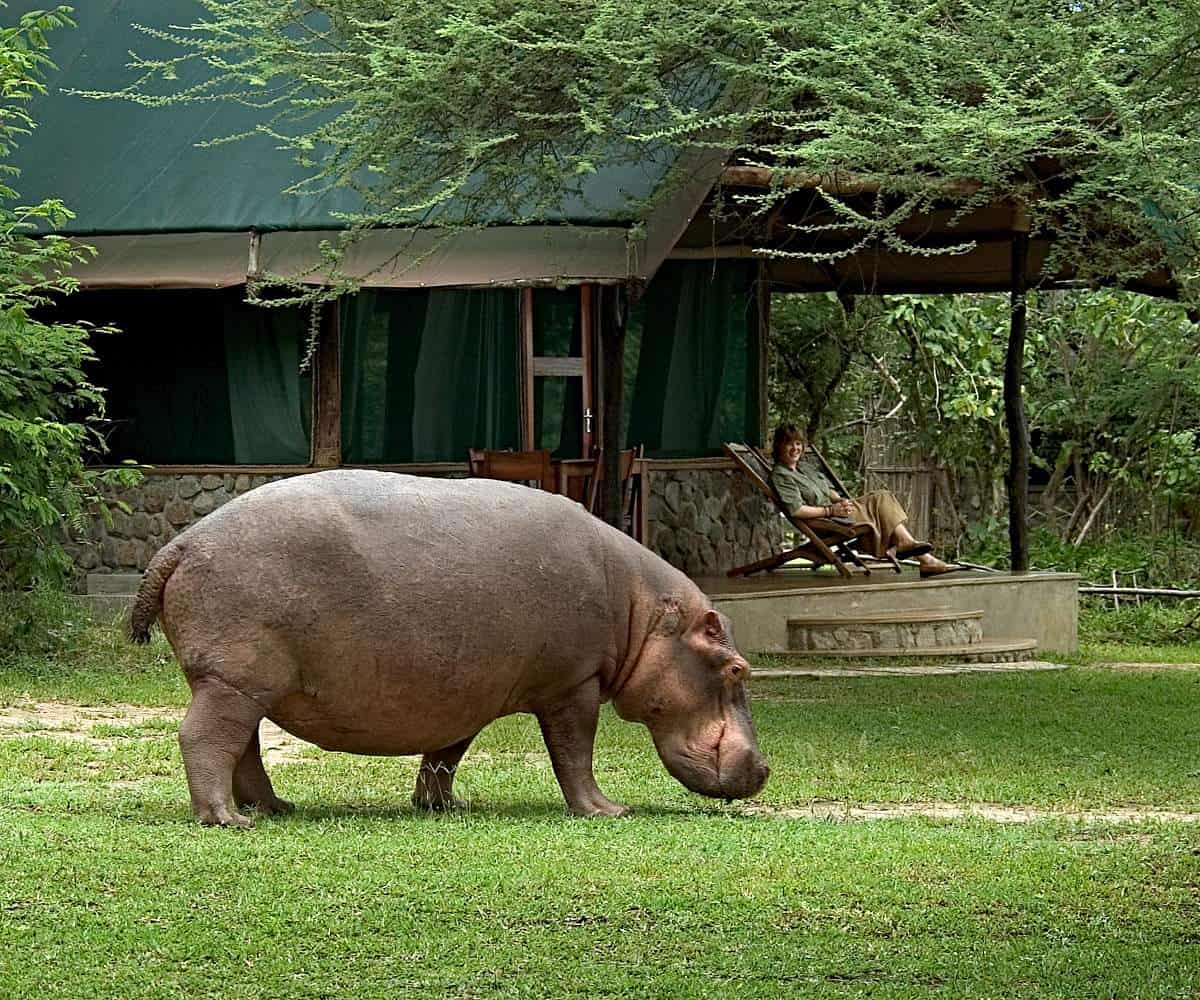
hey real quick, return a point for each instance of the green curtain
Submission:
(428, 374)
(692, 360)
(269, 400)
(198, 377)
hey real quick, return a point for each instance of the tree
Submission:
(1081, 114)
(49, 410)
(1112, 390)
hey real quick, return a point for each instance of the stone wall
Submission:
(706, 521)
(160, 508)
(702, 521)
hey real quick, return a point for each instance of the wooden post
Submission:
(1014, 406)
(327, 392)
(613, 306)
(526, 368)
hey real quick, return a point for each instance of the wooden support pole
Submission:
(1014, 406)
(327, 391)
(613, 318)
(525, 319)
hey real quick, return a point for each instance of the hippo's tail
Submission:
(148, 603)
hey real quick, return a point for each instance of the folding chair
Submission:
(824, 535)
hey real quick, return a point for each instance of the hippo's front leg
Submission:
(569, 729)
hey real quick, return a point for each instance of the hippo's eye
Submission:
(736, 670)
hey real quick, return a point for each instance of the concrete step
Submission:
(816, 672)
(984, 651)
(878, 631)
(105, 607)
(113, 583)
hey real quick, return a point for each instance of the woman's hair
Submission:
(785, 434)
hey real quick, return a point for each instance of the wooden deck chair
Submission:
(530, 467)
(824, 536)
(633, 515)
(832, 476)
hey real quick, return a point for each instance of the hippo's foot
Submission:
(437, 803)
(274, 806)
(602, 807)
(219, 816)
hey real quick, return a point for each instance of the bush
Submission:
(43, 623)
(1152, 623)
(1163, 560)
(1168, 561)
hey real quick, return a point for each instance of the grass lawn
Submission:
(108, 890)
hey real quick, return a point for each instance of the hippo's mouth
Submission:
(723, 765)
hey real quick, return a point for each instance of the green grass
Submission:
(108, 890)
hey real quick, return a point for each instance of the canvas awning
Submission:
(166, 211)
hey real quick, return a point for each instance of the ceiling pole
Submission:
(1014, 406)
(613, 315)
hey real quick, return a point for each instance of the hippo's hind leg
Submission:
(214, 736)
(435, 778)
(252, 786)
(569, 729)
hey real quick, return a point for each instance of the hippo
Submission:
(379, 613)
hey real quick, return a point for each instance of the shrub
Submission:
(50, 412)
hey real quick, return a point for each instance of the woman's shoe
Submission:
(914, 550)
(927, 572)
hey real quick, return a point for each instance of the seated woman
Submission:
(810, 495)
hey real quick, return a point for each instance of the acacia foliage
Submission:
(1082, 110)
(49, 410)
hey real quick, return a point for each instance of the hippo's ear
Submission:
(713, 627)
(669, 613)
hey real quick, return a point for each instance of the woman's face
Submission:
(793, 451)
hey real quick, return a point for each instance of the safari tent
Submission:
(491, 338)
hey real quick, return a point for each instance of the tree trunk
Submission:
(1050, 493)
(1014, 413)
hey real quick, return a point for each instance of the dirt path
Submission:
(81, 722)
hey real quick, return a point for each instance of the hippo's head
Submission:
(689, 689)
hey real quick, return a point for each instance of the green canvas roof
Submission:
(137, 177)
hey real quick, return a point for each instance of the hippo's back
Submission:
(362, 597)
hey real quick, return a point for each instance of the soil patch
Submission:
(78, 722)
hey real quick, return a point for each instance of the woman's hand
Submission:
(843, 507)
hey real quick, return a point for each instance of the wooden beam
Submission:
(559, 367)
(587, 334)
(525, 308)
(327, 392)
(613, 323)
(1014, 405)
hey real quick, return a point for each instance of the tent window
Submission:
(199, 377)
(691, 360)
(428, 374)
